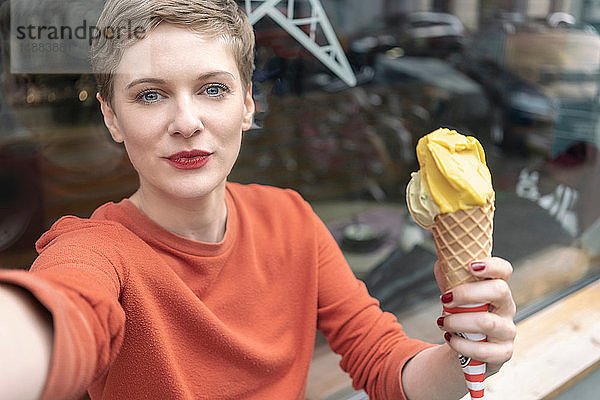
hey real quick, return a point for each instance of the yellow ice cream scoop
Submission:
(453, 170)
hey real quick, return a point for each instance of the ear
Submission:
(248, 109)
(110, 120)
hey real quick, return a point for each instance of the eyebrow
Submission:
(204, 76)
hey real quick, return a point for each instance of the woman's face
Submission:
(180, 108)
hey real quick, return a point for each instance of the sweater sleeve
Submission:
(80, 286)
(372, 344)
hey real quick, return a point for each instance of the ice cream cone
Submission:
(461, 237)
(452, 196)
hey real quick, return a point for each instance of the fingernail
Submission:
(478, 266)
(447, 297)
(440, 321)
(447, 336)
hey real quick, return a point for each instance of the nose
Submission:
(186, 119)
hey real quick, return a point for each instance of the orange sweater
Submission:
(141, 313)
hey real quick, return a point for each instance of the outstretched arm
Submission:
(25, 344)
(435, 373)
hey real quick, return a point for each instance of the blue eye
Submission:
(148, 96)
(151, 97)
(216, 90)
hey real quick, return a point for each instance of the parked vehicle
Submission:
(543, 82)
(459, 98)
(432, 34)
(424, 34)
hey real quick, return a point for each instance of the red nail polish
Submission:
(447, 297)
(440, 321)
(478, 266)
(447, 336)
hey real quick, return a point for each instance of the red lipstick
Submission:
(193, 159)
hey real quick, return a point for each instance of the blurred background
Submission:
(344, 89)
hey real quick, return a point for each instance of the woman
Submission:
(197, 288)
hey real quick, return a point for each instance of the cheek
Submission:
(239, 113)
(230, 122)
(229, 135)
(231, 141)
(143, 129)
(141, 138)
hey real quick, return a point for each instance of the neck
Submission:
(201, 219)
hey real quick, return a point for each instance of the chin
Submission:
(191, 190)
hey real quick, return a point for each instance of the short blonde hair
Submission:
(217, 19)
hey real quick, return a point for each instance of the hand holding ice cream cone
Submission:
(452, 196)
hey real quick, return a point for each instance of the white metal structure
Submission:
(282, 12)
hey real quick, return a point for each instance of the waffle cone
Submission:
(461, 237)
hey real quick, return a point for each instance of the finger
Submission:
(494, 292)
(492, 268)
(489, 352)
(485, 268)
(495, 327)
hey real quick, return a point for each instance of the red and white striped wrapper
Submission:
(473, 370)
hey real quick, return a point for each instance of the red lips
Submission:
(192, 159)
